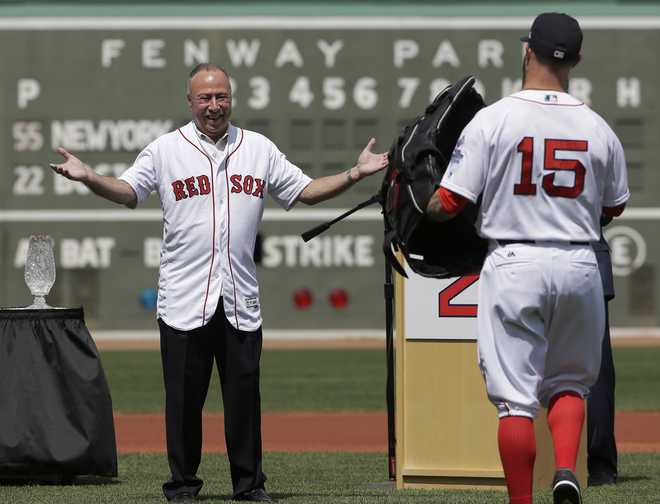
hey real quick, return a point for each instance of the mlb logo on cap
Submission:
(556, 36)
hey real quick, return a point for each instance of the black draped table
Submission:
(55, 405)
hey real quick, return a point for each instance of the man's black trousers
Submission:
(601, 443)
(187, 358)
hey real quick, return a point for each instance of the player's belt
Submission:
(510, 242)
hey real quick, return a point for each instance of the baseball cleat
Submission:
(254, 495)
(601, 478)
(565, 488)
(183, 498)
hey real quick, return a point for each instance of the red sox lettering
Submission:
(248, 185)
(200, 185)
(188, 188)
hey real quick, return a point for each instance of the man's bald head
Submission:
(204, 67)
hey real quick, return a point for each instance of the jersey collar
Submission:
(205, 144)
(547, 97)
(220, 144)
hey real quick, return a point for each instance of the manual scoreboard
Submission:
(104, 88)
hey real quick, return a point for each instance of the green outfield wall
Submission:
(319, 79)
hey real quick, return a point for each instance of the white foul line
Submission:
(269, 334)
(618, 334)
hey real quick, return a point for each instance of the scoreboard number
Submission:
(29, 180)
(27, 136)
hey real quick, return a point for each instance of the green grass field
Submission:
(310, 380)
(328, 380)
(333, 380)
(319, 478)
(638, 378)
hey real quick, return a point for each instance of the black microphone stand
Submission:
(389, 332)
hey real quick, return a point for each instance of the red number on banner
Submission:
(445, 306)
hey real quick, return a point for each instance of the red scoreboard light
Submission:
(303, 299)
(338, 298)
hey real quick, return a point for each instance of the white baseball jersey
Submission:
(544, 164)
(212, 196)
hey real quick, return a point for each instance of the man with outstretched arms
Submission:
(212, 179)
(546, 167)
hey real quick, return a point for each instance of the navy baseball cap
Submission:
(555, 36)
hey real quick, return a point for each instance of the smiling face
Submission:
(209, 100)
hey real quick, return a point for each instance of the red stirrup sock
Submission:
(517, 443)
(565, 418)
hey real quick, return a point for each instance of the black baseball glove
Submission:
(418, 159)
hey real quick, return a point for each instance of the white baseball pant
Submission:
(540, 321)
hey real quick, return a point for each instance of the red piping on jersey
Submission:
(231, 271)
(546, 103)
(208, 281)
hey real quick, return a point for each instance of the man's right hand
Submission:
(107, 187)
(72, 167)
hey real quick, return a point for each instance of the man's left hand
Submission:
(369, 162)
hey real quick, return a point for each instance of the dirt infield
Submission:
(290, 432)
(332, 432)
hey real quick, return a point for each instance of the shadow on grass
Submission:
(275, 496)
(279, 496)
(632, 479)
(57, 480)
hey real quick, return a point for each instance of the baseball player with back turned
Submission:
(546, 167)
(212, 179)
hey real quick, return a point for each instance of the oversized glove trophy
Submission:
(40, 269)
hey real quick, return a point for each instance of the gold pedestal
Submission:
(446, 429)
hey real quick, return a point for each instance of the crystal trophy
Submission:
(40, 269)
